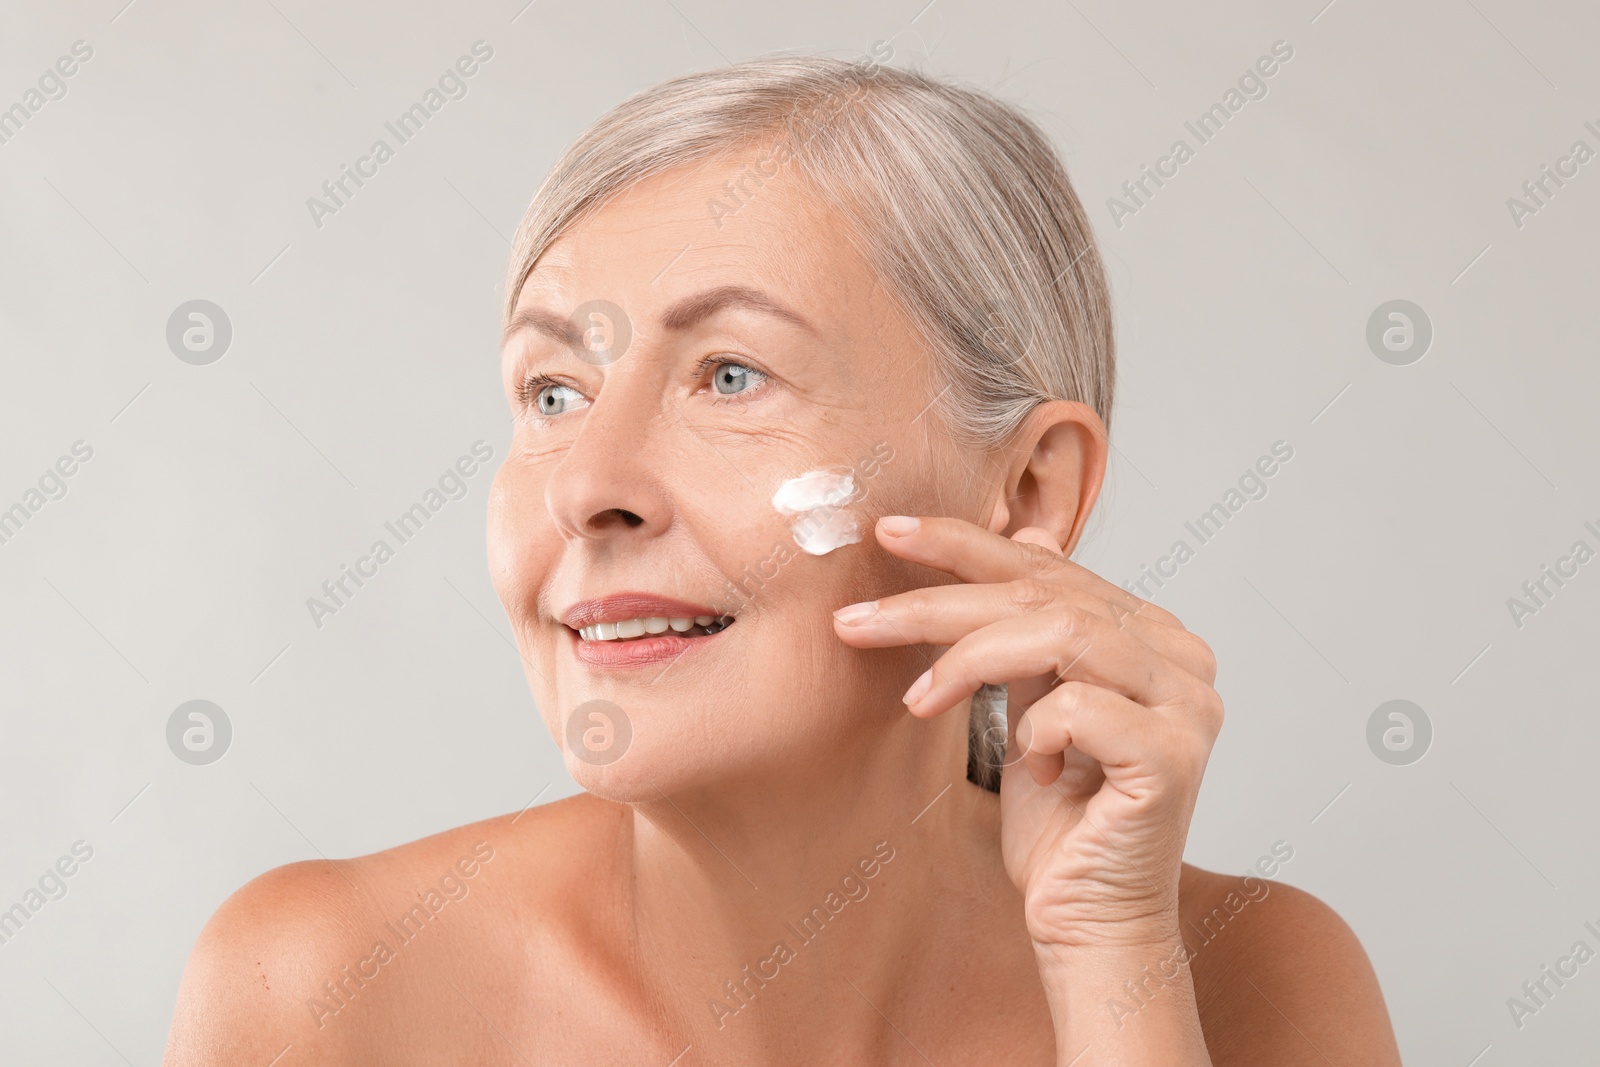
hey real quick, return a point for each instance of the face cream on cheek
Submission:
(816, 499)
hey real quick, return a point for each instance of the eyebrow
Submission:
(681, 316)
(556, 327)
(693, 309)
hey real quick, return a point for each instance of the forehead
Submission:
(716, 222)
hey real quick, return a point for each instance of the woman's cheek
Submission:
(510, 527)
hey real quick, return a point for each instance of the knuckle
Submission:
(1069, 621)
(1119, 612)
(1070, 693)
(1190, 752)
(1031, 594)
(914, 605)
(1041, 557)
(1064, 701)
(1211, 714)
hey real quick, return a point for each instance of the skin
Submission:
(779, 763)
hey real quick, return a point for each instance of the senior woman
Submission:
(811, 364)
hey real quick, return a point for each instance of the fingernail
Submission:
(899, 525)
(855, 613)
(919, 688)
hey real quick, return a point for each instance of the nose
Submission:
(608, 482)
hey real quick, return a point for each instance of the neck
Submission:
(751, 902)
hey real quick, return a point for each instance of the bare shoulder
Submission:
(316, 960)
(260, 954)
(1279, 977)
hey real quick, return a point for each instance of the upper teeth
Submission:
(626, 628)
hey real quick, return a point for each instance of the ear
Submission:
(1051, 479)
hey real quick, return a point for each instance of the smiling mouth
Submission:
(623, 630)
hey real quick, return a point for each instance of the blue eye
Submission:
(732, 379)
(549, 403)
(546, 396)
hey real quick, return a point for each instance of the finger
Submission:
(1068, 642)
(976, 555)
(962, 548)
(944, 614)
(1108, 727)
(1135, 747)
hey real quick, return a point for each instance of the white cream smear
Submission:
(817, 500)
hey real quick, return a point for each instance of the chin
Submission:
(651, 767)
(627, 781)
(607, 753)
(636, 782)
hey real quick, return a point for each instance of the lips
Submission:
(648, 649)
(620, 606)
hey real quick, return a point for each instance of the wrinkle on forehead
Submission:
(765, 220)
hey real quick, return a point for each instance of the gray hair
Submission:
(957, 199)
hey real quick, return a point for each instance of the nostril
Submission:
(627, 518)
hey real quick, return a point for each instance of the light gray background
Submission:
(363, 363)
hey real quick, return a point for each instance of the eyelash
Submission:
(534, 383)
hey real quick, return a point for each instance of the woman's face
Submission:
(722, 337)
